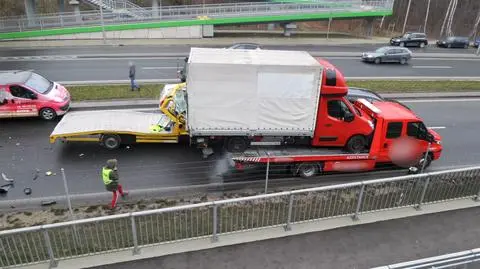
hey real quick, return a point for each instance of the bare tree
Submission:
(442, 30)
(475, 26)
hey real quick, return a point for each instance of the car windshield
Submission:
(382, 50)
(451, 38)
(406, 36)
(39, 83)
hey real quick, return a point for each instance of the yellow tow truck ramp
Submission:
(115, 127)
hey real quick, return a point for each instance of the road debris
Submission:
(47, 203)
(6, 178)
(18, 144)
(48, 173)
(5, 188)
(27, 191)
(81, 155)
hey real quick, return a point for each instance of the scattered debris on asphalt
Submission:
(27, 191)
(81, 155)
(48, 173)
(5, 188)
(6, 178)
(18, 144)
(47, 203)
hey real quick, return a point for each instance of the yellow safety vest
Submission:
(106, 175)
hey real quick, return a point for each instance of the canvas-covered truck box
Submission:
(252, 92)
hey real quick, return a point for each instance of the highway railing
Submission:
(463, 259)
(188, 12)
(52, 243)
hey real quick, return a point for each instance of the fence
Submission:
(459, 260)
(68, 240)
(191, 12)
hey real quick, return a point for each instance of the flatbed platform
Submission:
(285, 154)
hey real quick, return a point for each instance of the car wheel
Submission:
(402, 44)
(378, 60)
(47, 114)
(465, 46)
(403, 61)
(308, 170)
(422, 45)
(356, 144)
(111, 141)
(449, 46)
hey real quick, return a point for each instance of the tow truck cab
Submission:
(400, 136)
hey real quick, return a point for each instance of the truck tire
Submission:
(356, 144)
(111, 141)
(308, 170)
(236, 144)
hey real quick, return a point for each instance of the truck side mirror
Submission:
(349, 117)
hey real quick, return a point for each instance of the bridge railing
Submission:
(48, 21)
(132, 231)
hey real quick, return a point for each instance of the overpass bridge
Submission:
(205, 16)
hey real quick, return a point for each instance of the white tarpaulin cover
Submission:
(117, 121)
(252, 92)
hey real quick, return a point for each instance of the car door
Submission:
(24, 101)
(392, 132)
(392, 55)
(330, 132)
(6, 105)
(414, 40)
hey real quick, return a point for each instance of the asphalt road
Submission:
(24, 147)
(130, 49)
(166, 68)
(356, 247)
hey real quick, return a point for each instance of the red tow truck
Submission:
(400, 138)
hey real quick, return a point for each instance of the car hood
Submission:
(396, 37)
(58, 91)
(436, 136)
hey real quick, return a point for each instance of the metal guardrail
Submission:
(459, 260)
(190, 12)
(80, 238)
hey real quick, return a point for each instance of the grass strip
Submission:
(152, 91)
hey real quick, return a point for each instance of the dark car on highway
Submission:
(388, 55)
(454, 42)
(360, 93)
(410, 39)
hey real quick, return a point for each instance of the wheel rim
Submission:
(377, 61)
(48, 114)
(422, 45)
(308, 171)
(111, 142)
(402, 61)
(402, 44)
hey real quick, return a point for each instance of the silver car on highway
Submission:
(388, 55)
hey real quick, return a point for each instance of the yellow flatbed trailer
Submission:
(112, 128)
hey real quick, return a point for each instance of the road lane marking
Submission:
(160, 67)
(437, 127)
(432, 66)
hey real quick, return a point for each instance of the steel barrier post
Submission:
(359, 203)
(419, 205)
(267, 173)
(136, 249)
(215, 220)
(288, 226)
(48, 244)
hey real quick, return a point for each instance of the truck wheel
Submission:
(429, 161)
(111, 141)
(47, 113)
(356, 144)
(236, 144)
(308, 170)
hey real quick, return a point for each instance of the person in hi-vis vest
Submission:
(110, 179)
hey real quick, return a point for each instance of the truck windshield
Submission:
(39, 83)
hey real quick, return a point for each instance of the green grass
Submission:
(111, 92)
(392, 86)
(152, 91)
